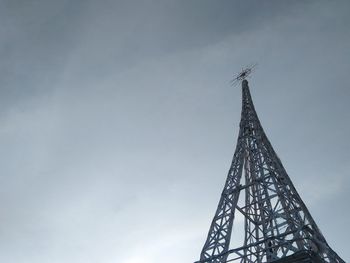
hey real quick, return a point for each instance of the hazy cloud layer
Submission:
(118, 123)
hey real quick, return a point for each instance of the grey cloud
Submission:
(118, 122)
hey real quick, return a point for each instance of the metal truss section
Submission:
(277, 223)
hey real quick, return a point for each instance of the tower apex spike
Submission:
(243, 75)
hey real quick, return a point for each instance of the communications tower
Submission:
(277, 225)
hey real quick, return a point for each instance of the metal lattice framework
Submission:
(278, 226)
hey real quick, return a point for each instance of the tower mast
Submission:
(278, 226)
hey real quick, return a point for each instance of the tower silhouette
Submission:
(277, 225)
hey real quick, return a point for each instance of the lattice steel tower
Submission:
(278, 226)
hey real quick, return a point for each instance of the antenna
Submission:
(245, 73)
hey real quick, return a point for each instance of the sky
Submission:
(118, 122)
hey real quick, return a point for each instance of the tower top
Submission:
(243, 75)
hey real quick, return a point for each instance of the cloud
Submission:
(118, 124)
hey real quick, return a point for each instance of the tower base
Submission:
(302, 257)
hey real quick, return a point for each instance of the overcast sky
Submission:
(118, 122)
